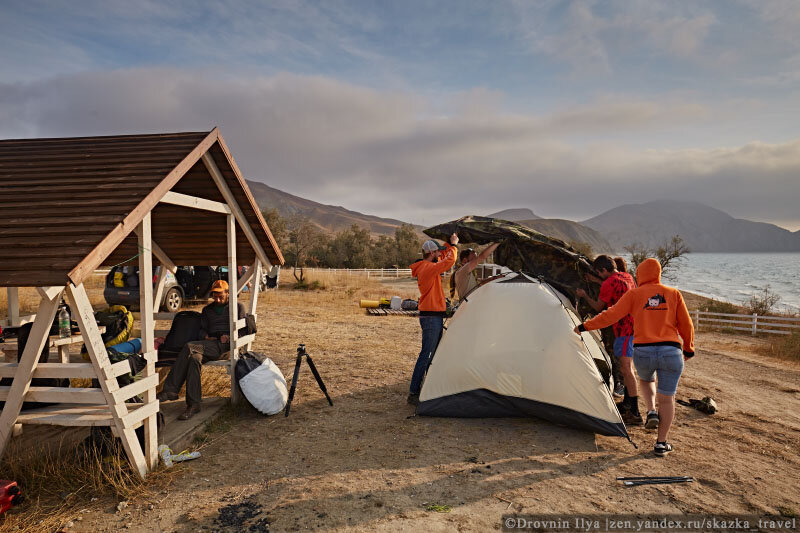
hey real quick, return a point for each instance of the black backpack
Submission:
(185, 328)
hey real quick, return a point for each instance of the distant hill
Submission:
(703, 228)
(330, 218)
(567, 231)
(515, 215)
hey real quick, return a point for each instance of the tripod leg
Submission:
(294, 383)
(318, 378)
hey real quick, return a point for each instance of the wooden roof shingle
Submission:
(70, 205)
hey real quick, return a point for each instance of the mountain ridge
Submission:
(703, 228)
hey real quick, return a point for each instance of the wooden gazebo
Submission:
(71, 205)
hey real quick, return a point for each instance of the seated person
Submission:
(464, 278)
(187, 367)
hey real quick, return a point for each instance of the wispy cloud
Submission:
(349, 145)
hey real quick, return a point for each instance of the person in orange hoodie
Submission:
(432, 305)
(661, 328)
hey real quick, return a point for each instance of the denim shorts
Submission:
(623, 346)
(666, 362)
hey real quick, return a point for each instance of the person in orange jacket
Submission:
(661, 328)
(432, 305)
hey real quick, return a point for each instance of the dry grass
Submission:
(59, 483)
(784, 347)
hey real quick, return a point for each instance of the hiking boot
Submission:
(190, 411)
(631, 419)
(619, 391)
(413, 399)
(165, 396)
(652, 420)
(662, 448)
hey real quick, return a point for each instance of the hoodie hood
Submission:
(415, 267)
(649, 271)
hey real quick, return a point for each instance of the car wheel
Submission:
(173, 300)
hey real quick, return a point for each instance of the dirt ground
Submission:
(367, 464)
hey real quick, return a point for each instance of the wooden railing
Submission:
(779, 325)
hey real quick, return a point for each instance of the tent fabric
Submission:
(510, 350)
(527, 250)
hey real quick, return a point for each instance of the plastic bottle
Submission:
(64, 327)
(166, 454)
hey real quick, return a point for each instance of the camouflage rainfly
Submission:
(527, 250)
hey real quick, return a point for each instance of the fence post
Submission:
(696, 317)
(755, 323)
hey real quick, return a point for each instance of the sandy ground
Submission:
(367, 464)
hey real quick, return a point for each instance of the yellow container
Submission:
(370, 304)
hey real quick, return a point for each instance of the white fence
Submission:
(751, 323)
(369, 272)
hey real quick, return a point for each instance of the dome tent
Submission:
(510, 350)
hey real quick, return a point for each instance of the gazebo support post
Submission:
(13, 306)
(82, 312)
(147, 326)
(30, 359)
(233, 300)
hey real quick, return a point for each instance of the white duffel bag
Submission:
(262, 383)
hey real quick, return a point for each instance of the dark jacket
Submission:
(214, 324)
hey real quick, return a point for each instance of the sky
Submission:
(426, 111)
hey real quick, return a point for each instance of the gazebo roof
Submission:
(70, 205)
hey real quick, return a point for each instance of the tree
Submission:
(303, 235)
(668, 254)
(277, 225)
(407, 246)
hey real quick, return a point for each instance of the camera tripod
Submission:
(301, 352)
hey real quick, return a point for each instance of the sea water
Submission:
(736, 277)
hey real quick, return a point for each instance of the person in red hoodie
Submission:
(432, 305)
(661, 328)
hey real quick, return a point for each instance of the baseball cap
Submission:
(432, 246)
(219, 286)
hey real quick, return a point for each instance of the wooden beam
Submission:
(13, 306)
(83, 313)
(255, 288)
(50, 293)
(30, 359)
(233, 306)
(148, 305)
(219, 179)
(58, 395)
(176, 198)
(52, 370)
(236, 172)
(245, 279)
(136, 388)
(96, 257)
(160, 283)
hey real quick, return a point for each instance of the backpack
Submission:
(185, 328)
(118, 322)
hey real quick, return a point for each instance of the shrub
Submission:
(785, 347)
(761, 303)
(305, 285)
(716, 306)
